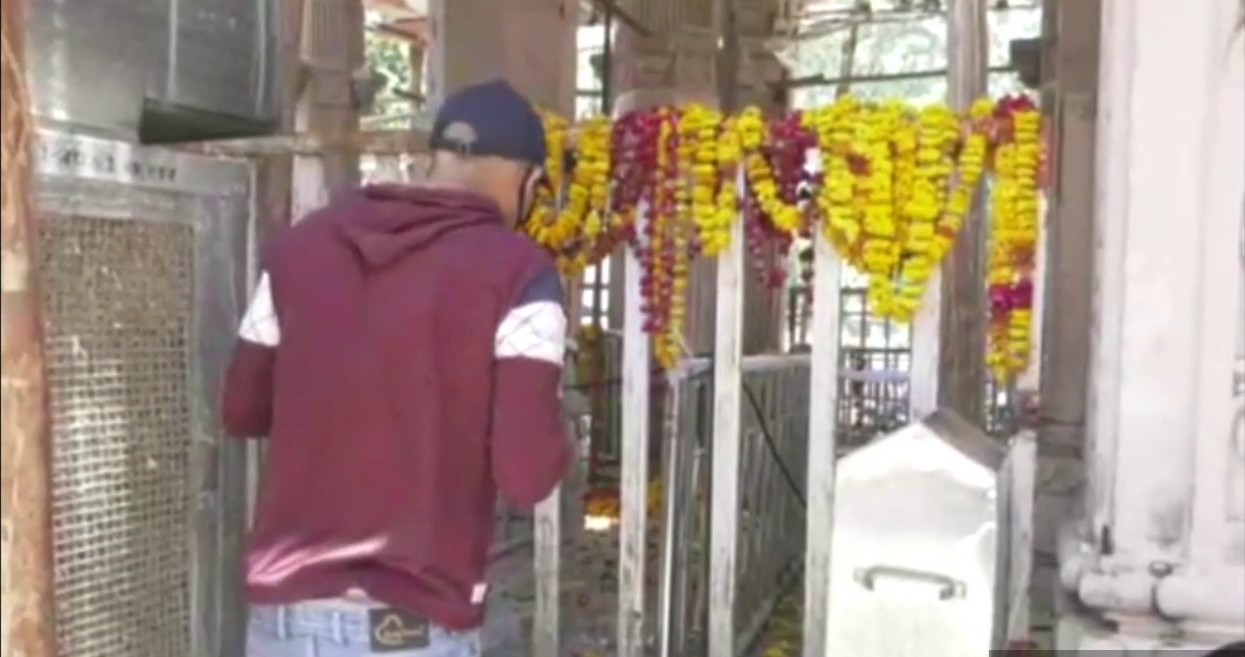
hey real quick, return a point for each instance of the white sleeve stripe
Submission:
(259, 324)
(534, 330)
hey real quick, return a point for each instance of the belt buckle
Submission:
(393, 630)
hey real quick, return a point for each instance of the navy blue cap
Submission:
(490, 119)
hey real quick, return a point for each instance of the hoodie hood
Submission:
(386, 222)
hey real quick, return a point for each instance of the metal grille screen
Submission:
(118, 296)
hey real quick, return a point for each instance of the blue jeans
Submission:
(337, 628)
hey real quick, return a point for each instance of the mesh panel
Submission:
(118, 299)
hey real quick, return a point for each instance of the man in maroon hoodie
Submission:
(403, 354)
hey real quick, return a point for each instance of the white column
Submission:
(636, 367)
(1171, 182)
(1156, 242)
(822, 442)
(948, 332)
(727, 382)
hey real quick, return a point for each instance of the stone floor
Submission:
(589, 597)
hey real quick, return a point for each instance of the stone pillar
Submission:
(272, 172)
(1070, 92)
(531, 43)
(331, 50)
(674, 63)
(678, 62)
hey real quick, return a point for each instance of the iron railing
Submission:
(771, 486)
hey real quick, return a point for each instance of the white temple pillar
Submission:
(1165, 431)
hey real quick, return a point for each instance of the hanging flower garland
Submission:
(634, 143)
(938, 131)
(880, 248)
(895, 186)
(784, 152)
(762, 183)
(883, 191)
(1014, 237)
(681, 224)
(832, 126)
(590, 190)
(543, 225)
(703, 129)
(729, 155)
(970, 167)
(656, 251)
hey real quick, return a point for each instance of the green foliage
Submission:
(390, 57)
(901, 47)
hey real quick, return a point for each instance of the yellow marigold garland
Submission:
(543, 225)
(679, 227)
(937, 132)
(904, 143)
(880, 250)
(702, 125)
(1014, 236)
(969, 170)
(592, 174)
(753, 136)
(727, 155)
(832, 126)
(892, 198)
(1028, 210)
(659, 229)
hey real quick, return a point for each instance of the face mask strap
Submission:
(523, 196)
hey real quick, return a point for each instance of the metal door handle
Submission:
(948, 587)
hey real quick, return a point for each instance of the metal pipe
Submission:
(28, 627)
(728, 61)
(607, 64)
(909, 14)
(823, 81)
(611, 7)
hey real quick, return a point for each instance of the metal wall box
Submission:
(144, 262)
(156, 71)
(920, 549)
